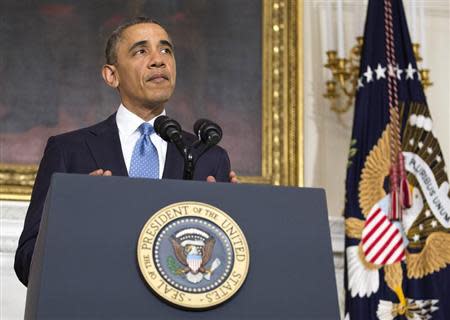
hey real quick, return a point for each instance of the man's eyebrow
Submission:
(138, 44)
(166, 43)
(144, 43)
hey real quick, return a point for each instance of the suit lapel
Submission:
(173, 167)
(104, 144)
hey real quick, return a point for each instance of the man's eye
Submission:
(166, 50)
(140, 51)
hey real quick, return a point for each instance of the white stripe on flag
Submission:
(397, 255)
(381, 243)
(375, 220)
(385, 252)
(375, 235)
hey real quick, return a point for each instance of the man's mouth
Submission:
(159, 77)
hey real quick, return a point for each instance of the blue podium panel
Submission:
(85, 264)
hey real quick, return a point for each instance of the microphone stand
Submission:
(188, 158)
(189, 165)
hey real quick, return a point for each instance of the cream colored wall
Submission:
(438, 51)
(326, 137)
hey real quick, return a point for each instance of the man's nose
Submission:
(156, 61)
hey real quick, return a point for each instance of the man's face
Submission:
(145, 66)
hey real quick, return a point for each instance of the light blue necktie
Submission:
(144, 160)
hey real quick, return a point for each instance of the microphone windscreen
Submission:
(198, 125)
(157, 125)
(208, 131)
(167, 128)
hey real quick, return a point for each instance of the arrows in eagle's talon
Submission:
(214, 266)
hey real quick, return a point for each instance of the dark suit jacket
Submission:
(89, 149)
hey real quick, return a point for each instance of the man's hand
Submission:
(233, 178)
(101, 172)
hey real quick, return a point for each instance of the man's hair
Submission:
(111, 44)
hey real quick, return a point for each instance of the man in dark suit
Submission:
(140, 64)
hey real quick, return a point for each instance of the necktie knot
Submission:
(146, 129)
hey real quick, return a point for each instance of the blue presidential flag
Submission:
(397, 212)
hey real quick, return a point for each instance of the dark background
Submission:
(51, 53)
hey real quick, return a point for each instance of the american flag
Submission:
(397, 258)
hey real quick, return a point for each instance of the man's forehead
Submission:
(144, 32)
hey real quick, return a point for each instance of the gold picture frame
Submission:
(282, 106)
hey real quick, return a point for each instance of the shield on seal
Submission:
(194, 261)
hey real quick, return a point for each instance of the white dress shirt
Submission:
(128, 124)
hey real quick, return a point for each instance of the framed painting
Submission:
(239, 64)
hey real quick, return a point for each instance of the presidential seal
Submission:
(193, 255)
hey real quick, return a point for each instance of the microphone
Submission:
(168, 129)
(208, 132)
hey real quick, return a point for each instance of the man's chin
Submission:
(156, 102)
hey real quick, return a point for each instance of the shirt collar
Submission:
(128, 122)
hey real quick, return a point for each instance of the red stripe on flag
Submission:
(399, 256)
(392, 251)
(372, 216)
(367, 236)
(380, 251)
(378, 238)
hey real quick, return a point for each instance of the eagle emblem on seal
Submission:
(193, 249)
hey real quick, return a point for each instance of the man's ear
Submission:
(110, 75)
